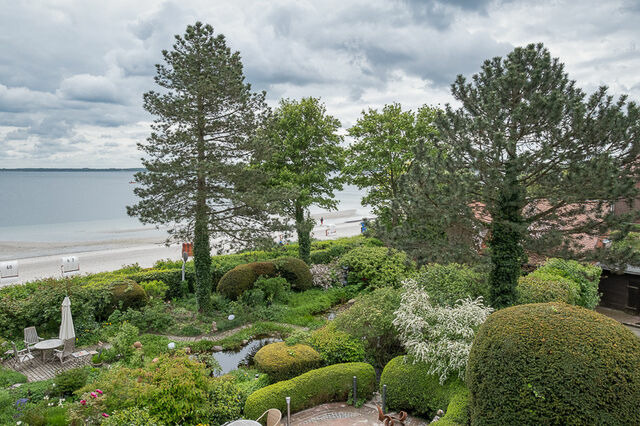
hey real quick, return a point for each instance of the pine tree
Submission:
(196, 179)
(546, 162)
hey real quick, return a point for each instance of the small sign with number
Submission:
(70, 264)
(9, 269)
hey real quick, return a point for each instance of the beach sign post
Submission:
(8, 271)
(70, 265)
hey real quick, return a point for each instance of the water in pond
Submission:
(230, 360)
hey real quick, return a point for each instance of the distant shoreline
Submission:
(72, 169)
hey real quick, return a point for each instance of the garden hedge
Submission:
(129, 294)
(282, 362)
(552, 363)
(542, 287)
(312, 388)
(411, 388)
(237, 281)
(295, 271)
(586, 276)
(171, 277)
(446, 284)
(336, 346)
(376, 266)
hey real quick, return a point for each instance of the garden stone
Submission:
(244, 342)
(155, 360)
(137, 345)
(187, 350)
(214, 327)
(217, 348)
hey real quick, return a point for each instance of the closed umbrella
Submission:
(66, 327)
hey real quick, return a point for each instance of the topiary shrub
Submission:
(336, 346)
(282, 362)
(237, 281)
(552, 363)
(319, 257)
(69, 381)
(376, 266)
(586, 276)
(457, 412)
(410, 387)
(542, 287)
(295, 271)
(128, 294)
(155, 289)
(449, 283)
(315, 387)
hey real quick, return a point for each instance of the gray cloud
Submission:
(74, 72)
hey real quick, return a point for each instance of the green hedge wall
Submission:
(542, 287)
(552, 363)
(315, 387)
(282, 362)
(411, 388)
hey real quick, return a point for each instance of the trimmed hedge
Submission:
(336, 346)
(323, 256)
(171, 277)
(541, 287)
(295, 271)
(129, 294)
(282, 362)
(315, 387)
(552, 363)
(237, 281)
(410, 387)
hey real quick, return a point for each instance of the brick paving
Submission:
(341, 414)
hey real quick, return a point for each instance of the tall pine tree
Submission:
(546, 162)
(196, 179)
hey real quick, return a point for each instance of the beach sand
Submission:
(94, 257)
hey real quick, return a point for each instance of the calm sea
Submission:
(81, 206)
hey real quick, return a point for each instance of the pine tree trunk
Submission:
(303, 228)
(201, 246)
(507, 233)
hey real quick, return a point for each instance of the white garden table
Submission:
(47, 345)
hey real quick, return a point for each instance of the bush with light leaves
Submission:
(440, 336)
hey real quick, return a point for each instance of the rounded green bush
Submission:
(376, 266)
(129, 293)
(312, 388)
(541, 287)
(336, 346)
(296, 272)
(446, 284)
(585, 275)
(552, 363)
(410, 387)
(323, 256)
(237, 281)
(282, 362)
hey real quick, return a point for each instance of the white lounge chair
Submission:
(21, 356)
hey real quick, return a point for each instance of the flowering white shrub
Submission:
(322, 276)
(440, 336)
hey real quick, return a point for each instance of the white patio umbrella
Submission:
(66, 327)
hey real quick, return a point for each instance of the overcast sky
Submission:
(72, 73)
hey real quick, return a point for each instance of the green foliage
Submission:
(410, 387)
(234, 342)
(69, 381)
(155, 289)
(246, 381)
(552, 363)
(541, 287)
(383, 152)
(172, 277)
(298, 337)
(237, 281)
(457, 412)
(128, 294)
(376, 266)
(305, 157)
(315, 387)
(585, 275)
(335, 346)
(282, 362)
(303, 306)
(174, 389)
(9, 377)
(133, 416)
(275, 289)
(122, 342)
(296, 272)
(370, 319)
(320, 257)
(42, 415)
(152, 317)
(446, 284)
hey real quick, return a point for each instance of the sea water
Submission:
(88, 206)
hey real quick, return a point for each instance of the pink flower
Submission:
(99, 391)
(105, 415)
(93, 395)
(83, 402)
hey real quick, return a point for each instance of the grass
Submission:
(9, 377)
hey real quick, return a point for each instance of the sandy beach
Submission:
(101, 256)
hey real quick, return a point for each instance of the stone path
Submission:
(632, 322)
(341, 414)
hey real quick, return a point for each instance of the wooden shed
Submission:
(621, 291)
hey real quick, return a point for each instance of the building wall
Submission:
(622, 207)
(619, 291)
